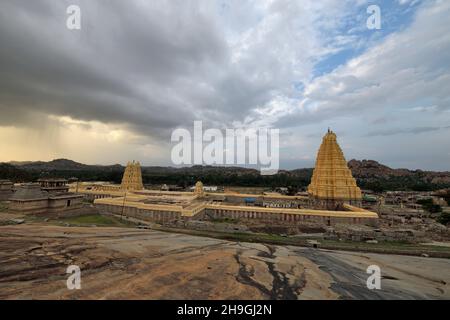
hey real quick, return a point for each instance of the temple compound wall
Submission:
(209, 211)
(328, 218)
(150, 215)
(91, 196)
(46, 206)
(6, 189)
(265, 200)
(35, 206)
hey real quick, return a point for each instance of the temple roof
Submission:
(52, 180)
(30, 192)
(332, 179)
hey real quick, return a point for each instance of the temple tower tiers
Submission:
(199, 191)
(332, 182)
(132, 177)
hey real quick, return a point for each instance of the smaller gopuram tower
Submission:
(332, 183)
(198, 190)
(132, 177)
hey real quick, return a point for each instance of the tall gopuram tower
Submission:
(332, 183)
(132, 177)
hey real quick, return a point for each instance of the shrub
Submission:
(444, 218)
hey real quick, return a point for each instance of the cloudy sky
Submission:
(116, 89)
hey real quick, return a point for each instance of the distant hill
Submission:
(62, 165)
(369, 174)
(61, 168)
(375, 176)
(370, 170)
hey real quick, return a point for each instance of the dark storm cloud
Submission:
(129, 65)
(147, 67)
(416, 130)
(150, 65)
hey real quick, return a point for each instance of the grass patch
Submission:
(93, 219)
(224, 220)
(3, 206)
(97, 220)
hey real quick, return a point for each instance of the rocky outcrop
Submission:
(124, 263)
(370, 169)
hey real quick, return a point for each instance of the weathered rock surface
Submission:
(119, 263)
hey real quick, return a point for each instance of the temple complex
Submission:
(333, 197)
(332, 183)
(132, 177)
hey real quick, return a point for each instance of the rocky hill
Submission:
(372, 170)
(62, 165)
(369, 173)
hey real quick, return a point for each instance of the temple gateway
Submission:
(132, 177)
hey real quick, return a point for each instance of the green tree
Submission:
(444, 218)
(429, 206)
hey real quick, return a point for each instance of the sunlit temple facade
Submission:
(332, 183)
(132, 177)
